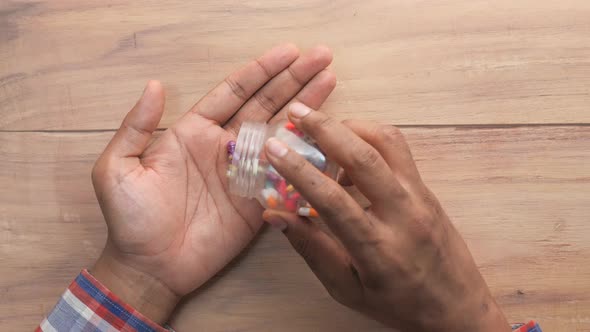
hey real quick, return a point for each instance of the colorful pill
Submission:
(282, 188)
(290, 188)
(231, 147)
(272, 173)
(269, 192)
(294, 196)
(291, 205)
(291, 127)
(307, 212)
(231, 170)
(271, 197)
(272, 202)
(317, 159)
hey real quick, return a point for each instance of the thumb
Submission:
(136, 130)
(325, 256)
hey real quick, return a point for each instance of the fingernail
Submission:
(149, 88)
(275, 221)
(276, 147)
(298, 110)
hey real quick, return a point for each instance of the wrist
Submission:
(143, 292)
(492, 318)
(482, 316)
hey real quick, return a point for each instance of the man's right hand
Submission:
(401, 261)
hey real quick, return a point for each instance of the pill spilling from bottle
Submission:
(251, 175)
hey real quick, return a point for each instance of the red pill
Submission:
(291, 205)
(282, 188)
(294, 196)
(291, 127)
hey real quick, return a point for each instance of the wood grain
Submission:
(519, 195)
(506, 72)
(81, 64)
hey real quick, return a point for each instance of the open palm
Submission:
(165, 200)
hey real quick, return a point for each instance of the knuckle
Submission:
(236, 88)
(267, 103)
(396, 189)
(299, 166)
(302, 247)
(322, 124)
(263, 68)
(371, 242)
(392, 136)
(331, 206)
(375, 272)
(368, 237)
(348, 122)
(294, 76)
(133, 131)
(390, 132)
(332, 197)
(365, 157)
(422, 227)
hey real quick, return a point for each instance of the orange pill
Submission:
(272, 202)
(313, 213)
(307, 212)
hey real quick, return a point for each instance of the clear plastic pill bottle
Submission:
(251, 175)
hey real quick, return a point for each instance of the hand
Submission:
(171, 222)
(401, 261)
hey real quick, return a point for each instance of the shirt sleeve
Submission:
(87, 305)
(529, 327)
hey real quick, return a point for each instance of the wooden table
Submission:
(493, 96)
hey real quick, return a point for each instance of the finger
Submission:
(136, 129)
(362, 163)
(324, 256)
(221, 103)
(313, 94)
(342, 214)
(390, 143)
(283, 87)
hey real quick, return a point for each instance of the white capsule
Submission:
(231, 171)
(307, 212)
(269, 192)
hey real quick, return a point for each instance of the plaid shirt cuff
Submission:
(87, 305)
(529, 327)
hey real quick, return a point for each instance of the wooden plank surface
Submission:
(81, 64)
(516, 183)
(519, 195)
